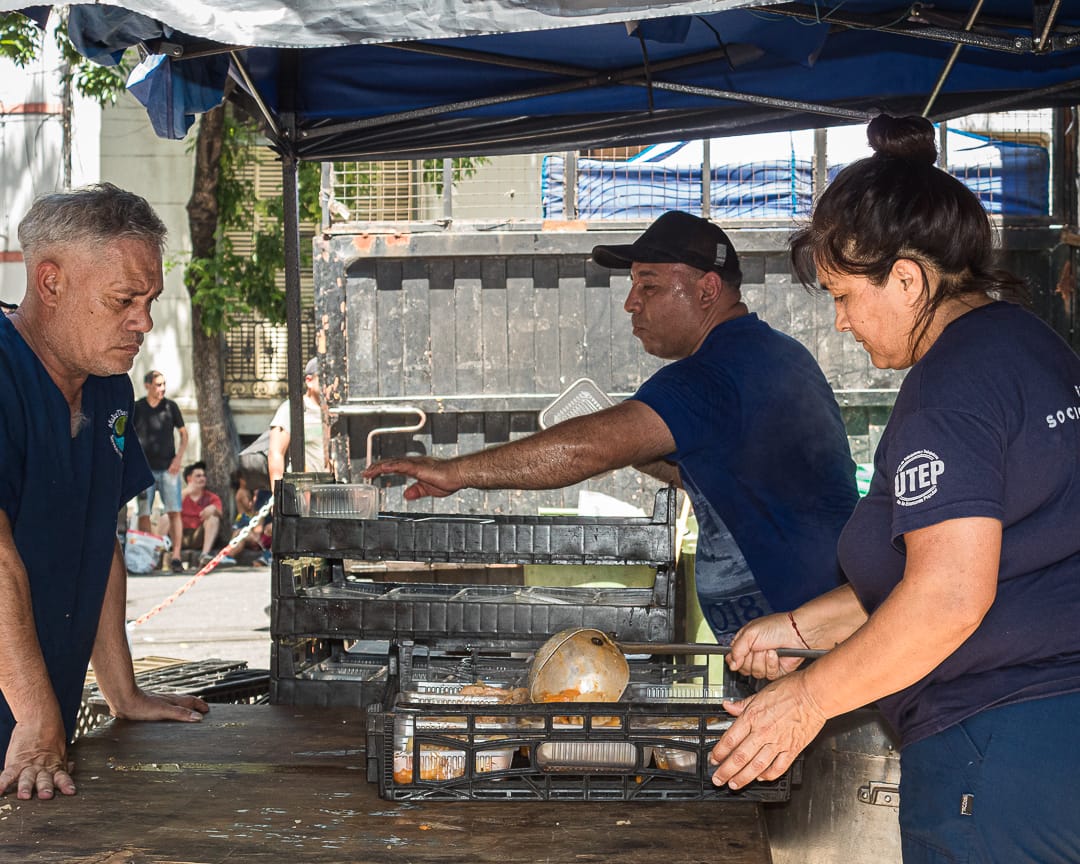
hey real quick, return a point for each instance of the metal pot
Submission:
(578, 665)
(846, 807)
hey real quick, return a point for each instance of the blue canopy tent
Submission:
(385, 79)
(544, 75)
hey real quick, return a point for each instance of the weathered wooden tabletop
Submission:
(262, 783)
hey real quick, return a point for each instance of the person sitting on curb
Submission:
(247, 507)
(201, 513)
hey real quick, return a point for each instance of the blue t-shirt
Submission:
(986, 424)
(61, 496)
(763, 454)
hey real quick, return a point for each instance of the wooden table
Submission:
(276, 783)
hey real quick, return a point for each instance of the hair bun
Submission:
(910, 138)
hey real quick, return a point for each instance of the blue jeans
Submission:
(169, 487)
(1002, 786)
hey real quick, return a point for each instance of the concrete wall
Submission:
(31, 140)
(133, 157)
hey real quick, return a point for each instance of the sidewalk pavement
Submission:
(225, 616)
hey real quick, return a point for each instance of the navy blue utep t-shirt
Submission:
(763, 454)
(61, 495)
(986, 424)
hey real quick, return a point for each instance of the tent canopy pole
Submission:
(290, 200)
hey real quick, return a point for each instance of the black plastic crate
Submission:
(432, 742)
(319, 608)
(494, 616)
(315, 596)
(326, 673)
(491, 539)
(347, 673)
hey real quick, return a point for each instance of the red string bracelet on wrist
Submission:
(795, 627)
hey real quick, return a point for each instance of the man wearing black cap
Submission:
(743, 419)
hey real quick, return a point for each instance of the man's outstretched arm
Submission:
(630, 433)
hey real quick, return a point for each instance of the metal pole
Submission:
(943, 146)
(448, 188)
(952, 60)
(821, 162)
(1064, 192)
(326, 193)
(290, 200)
(290, 224)
(570, 185)
(706, 177)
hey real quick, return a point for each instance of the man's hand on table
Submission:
(37, 762)
(37, 756)
(142, 705)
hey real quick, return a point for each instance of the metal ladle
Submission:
(578, 665)
(585, 665)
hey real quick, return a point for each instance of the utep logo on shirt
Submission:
(916, 478)
(118, 421)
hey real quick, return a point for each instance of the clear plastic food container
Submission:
(575, 756)
(676, 758)
(338, 500)
(444, 762)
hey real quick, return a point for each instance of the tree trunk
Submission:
(217, 431)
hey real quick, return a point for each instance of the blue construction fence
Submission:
(1011, 179)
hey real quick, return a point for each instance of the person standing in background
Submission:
(156, 420)
(277, 456)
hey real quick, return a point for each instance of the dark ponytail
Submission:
(898, 204)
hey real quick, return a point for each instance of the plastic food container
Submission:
(676, 758)
(444, 762)
(575, 756)
(338, 500)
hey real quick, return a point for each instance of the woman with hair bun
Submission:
(961, 615)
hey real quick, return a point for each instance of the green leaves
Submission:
(232, 283)
(20, 38)
(229, 284)
(103, 84)
(21, 41)
(463, 168)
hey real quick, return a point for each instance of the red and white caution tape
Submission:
(242, 535)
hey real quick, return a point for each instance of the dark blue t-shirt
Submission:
(763, 454)
(61, 496)
(986, 424)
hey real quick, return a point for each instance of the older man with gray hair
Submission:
(69, 459)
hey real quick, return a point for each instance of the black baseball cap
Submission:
(676, 238)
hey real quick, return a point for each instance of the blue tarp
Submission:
(1011, 179)
(734, 71)
(621, 190)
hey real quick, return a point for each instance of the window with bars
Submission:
(255, 361)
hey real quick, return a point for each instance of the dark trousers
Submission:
(1001, 787)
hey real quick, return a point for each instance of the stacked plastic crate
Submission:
(327, 624)
(404, 650)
